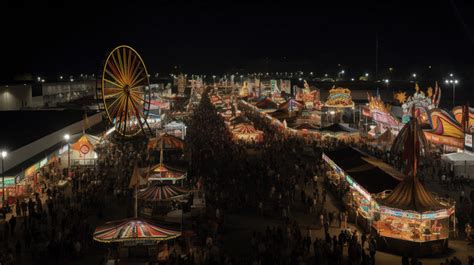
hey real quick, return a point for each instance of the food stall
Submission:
(357, 178)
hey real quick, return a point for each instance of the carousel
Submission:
(246, 132)
(412, 220)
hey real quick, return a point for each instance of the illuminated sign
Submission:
(63, 149)
(441, 214)
(43, 162)
(468, 142)
(9, 181)
(358, 188)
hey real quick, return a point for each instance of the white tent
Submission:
(462, 163)
(175, 128)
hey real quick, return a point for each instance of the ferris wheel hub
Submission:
(126, 89)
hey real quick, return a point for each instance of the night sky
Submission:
(220, 36)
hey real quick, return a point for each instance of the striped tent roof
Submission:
(410, 194)
(162, 171)
(160, 192)
(244, 128)
(169, 142)
(133, 229)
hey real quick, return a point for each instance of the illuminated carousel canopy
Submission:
(169, 142)
(162, 171)
(132, 230)
(161, 192)
(410, 194)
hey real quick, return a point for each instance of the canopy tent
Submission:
(169, 142)
(175, 128)
(82, 151)
(410, 194)
(161, 192)
(462, 163)
(133, 229)
(246, 131)
(162, 171)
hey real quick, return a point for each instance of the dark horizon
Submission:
(256, 37)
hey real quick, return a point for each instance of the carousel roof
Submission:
(161, 192)
(410, 194)
(133, 229)
(169, 142)
(245, 128)
(162, 171)
(85, 140)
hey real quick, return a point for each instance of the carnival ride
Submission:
(124, 90)
(339, 98)
(421, 101)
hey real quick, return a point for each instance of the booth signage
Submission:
(9, 181)
(84, 149)
(468, 142)
(43, 162)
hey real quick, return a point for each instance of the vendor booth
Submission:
(176, 128)
(82, 152)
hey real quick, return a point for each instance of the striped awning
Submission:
(133, 229)
(161, 192)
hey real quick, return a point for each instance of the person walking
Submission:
(12, 222)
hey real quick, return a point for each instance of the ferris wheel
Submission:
(125, 91)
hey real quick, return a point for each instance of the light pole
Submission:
(387, 82)
(67, 137)
(4, 155)
(453, 82)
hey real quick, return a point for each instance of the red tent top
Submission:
(169, 142)
(133, 229)
(161, 192)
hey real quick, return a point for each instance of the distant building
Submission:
(37, 95)
(15, 97)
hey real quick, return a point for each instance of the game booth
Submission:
(396, 208)
(357, 177)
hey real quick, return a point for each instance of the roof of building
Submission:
(20, 128)
(374, 175)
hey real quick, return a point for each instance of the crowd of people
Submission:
(271, 179)
(53, 225)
